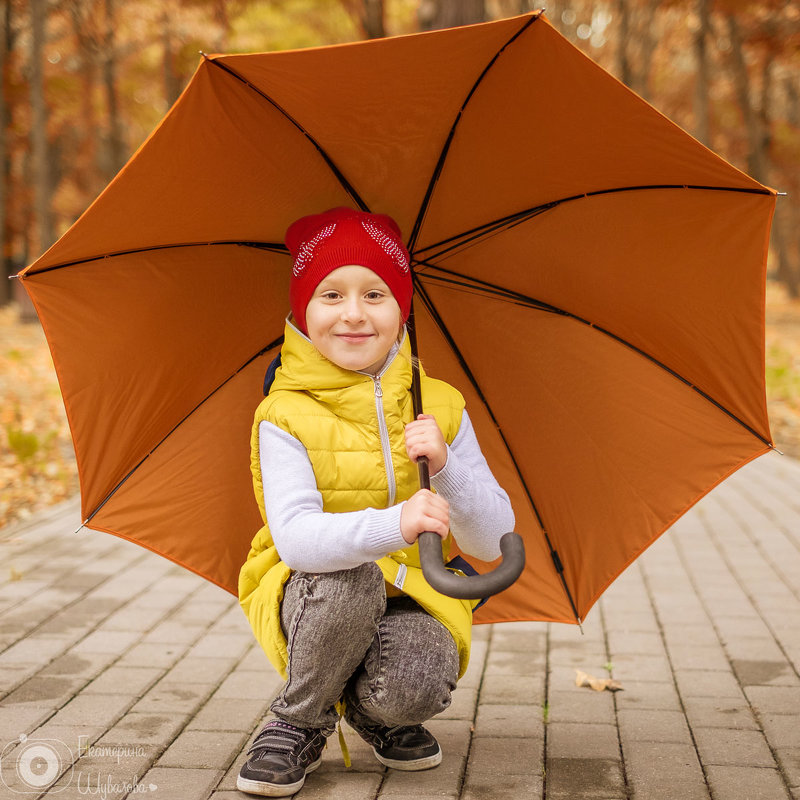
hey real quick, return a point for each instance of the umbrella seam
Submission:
(446, 147)
(671, 521)
(439, 322)
(346, 185)
(266, 349)
(508, 295)
(522, 216)
(271, 247)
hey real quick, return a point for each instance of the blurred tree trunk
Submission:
(87, 53)
(5, 261)
(787, 270)
(222, 18)
(647, 46)
(172, 84)
(372, 19)
(702, 117)
(764, 117)
(786, 231)
(792, 103)
(44, 235)
(436, 14)
(623, 67)
(116, 146)
(368, 15)
(756, 154)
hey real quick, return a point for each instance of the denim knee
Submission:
(406, 697)
(330, 621)
(411, 705)
(350, 597)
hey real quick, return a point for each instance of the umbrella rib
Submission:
(346, 185)
(273, 247)
(484, 287)
(464, 240)
(518, 217)
(439, 322)
(265, 349)
(445, 149)
(512, 297)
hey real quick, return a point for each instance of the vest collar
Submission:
(304, 368)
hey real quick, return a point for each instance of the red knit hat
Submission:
(341, 236)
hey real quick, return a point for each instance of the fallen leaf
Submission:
(598, 684)
(16, 575)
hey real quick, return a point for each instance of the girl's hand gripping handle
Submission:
(470, 587)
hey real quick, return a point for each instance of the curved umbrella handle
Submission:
(473, 586)
(443, 580)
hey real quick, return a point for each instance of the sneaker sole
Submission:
(274, 789)
(418, 764)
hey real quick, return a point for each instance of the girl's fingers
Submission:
(436, 499)
(443, 518)
(423, 423)
(436, 526)
(416, 451)
(424, 511)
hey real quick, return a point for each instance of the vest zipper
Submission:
(385, 446)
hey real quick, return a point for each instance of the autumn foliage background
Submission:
(85, 82)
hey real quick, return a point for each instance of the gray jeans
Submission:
(391, 661)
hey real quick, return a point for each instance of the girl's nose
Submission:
(352, 310)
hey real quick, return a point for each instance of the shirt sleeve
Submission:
(480, 511)
(307, 538)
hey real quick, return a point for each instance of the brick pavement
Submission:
(145, 680)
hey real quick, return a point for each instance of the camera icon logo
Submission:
(35, 765)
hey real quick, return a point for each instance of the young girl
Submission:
(332, 585)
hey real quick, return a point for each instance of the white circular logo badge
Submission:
(38, 765)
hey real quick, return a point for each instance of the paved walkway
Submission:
(147, 678)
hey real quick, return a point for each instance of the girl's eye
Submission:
(330, 295)
(375, 295)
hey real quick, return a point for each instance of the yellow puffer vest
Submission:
(336, 419)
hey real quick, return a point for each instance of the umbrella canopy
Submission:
(589, 275)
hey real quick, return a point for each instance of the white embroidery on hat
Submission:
(387, 244)
(306, 253)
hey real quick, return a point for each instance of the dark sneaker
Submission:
(406, 747)
(279, 759)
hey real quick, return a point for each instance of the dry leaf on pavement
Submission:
(598, 684)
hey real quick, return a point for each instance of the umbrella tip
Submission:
(783, 194)
(81, 526)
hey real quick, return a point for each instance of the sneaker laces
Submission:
(394, 732)
(384, 735)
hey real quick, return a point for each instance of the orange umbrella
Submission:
(590, 276)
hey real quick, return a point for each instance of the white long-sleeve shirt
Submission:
(309, 539)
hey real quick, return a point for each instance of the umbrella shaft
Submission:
(424, 473)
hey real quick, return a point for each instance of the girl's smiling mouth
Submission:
(354, 337)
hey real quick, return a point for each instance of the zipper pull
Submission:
(378, 389)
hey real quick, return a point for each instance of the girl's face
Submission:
(353, 319)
